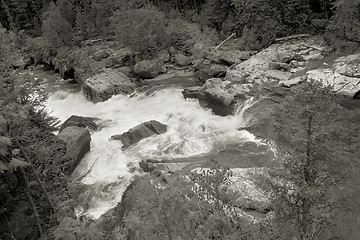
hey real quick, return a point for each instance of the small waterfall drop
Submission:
(108, 170)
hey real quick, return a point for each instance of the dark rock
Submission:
(260, 119)
(278, 66)
(182, 60)
(103, 86)
(148, 68)
(209, 70)
(191, 92)
(148, 166)
(77, 141)
(120, 58)
(101, 54)
(220, 101)
(80, 122)
(139, 132)
(116, 216)
(163, 56)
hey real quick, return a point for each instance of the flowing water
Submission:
(107, 170)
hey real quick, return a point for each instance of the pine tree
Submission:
(319, 179)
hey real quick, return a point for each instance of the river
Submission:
(106, 169)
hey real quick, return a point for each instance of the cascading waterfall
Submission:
(107, 170)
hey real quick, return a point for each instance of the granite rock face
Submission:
(79, 121)
(77, 141)
(104, 85)
(139, 132)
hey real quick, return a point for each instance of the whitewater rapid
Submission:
(107, 170)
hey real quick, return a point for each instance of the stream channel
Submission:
(106, 169)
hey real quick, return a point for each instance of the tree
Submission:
(319, 179)
(346, 20)
(180, 208)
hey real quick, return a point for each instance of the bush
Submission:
(140, 29)
(184, 35)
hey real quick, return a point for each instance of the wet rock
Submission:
(139, 132)
(148, 68)
(101, 54)
(78, 121)
(104, 85)
(208, 70)
(191, 92)
(182, 60)
(77, 141)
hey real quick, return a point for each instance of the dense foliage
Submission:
(314, 195)
(68, 23)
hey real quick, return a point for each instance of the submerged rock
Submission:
(139, 132)
(79, 121)
(104, 85)
(77, 141)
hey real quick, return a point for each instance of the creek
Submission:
(107, 170)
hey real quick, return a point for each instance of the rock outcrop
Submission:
(278, 62)
(222, 97)
(104, 85)
(139, 132)
(78, 121)
(77, 141)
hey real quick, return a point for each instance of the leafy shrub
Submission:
(140, 29)
(184, 35)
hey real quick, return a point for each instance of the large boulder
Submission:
(139, 132)
(206, 70)
(216, 94)
(148, 68)
(101, 54)
(77, 141)
(119, 58)
(85, 122)
(182, 60)
(104, 85)
(220, 101)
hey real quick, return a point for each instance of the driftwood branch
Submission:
(292, 37)
(223, 42)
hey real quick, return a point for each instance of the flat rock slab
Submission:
(104, 85)
(139, 132)
(77, 141)
(79, 121)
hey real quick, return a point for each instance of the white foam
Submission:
(192, 130)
